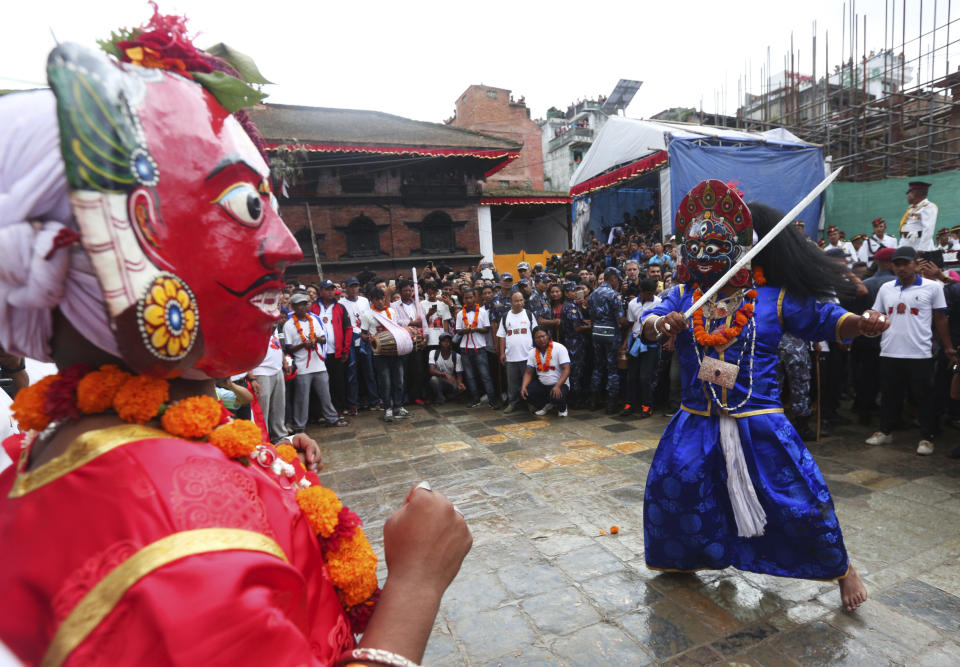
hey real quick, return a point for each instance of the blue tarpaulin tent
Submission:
(773, 167)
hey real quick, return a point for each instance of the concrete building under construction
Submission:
(889, 112)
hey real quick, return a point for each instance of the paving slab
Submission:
(548, 584)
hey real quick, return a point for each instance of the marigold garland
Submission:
(28, 407)
(726, 334)
(60, 401)
(476, 316)
(544, 366)
(140, 398)
(759, 279)
(236, 439)
(353, 569)
(287, 453)
(350, 559)
(321, 507)
(193, 417)
(97, 389)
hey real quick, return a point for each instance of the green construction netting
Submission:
(853, 206)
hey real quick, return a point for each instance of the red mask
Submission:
(192, 273)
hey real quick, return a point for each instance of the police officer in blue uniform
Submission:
(573, 334)
(606, 313)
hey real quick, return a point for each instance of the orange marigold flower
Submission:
(238, 438)
(140, 398)
(353, 569)
(321, 507)
(758, 277)
(96, 390)
(287, 453)
(752, 294)
(192, 417)
(614, 530)
(28, 407)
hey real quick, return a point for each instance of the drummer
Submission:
(389, 368)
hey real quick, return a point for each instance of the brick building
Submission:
(527, 223)
(369, 191)
(493, 111)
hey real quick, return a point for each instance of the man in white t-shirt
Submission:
(514, 342)
(407, 311)
(472, 324)
(304, 338)
(360, 361)
(642, 355)
(439, 318)
(268, 386)
(916, 307)
(546, 382)
(446, 370)
(389, 368)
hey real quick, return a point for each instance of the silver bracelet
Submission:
(656, 325)
(377, 655)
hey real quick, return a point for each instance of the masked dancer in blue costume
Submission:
(732, 483)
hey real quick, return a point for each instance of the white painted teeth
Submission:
(267, 301)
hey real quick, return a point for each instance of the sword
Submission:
(762, 243)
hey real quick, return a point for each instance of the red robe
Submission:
(137, 548)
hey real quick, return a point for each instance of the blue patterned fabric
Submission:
(688, 520)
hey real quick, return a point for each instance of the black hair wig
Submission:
(792, 261)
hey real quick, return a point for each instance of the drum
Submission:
(384, 344)
(419, 340)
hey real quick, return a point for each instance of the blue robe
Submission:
(688, 520)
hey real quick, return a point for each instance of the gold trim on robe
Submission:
(735, 415)
(102, 598)
(839, 324)
(81, 451)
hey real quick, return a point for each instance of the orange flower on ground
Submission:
(614, 530)
(353, 569)
(96, 390)
(140, 398)
(321, 507)
(192, 417)
(287, 453)
(238, 438)
(28, 407)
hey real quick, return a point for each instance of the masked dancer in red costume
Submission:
(141, 250)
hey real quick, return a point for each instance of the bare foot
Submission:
(852, 591)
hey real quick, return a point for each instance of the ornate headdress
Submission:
(171, 200)
(713, 226)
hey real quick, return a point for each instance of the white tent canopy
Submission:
(625, 140)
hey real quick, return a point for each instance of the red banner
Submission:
(493, 201)
(622, 174)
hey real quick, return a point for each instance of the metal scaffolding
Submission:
(879, 114)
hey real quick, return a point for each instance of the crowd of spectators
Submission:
(566, 335)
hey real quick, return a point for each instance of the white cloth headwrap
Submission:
(34, 207)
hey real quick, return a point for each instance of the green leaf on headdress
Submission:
(231, 92)
(246, 68)
(122, 35)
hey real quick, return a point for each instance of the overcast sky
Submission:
(414, 58)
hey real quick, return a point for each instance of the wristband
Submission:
(376, 655)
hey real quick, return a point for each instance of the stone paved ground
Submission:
(547, 584)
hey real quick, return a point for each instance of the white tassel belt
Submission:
(749, 514)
